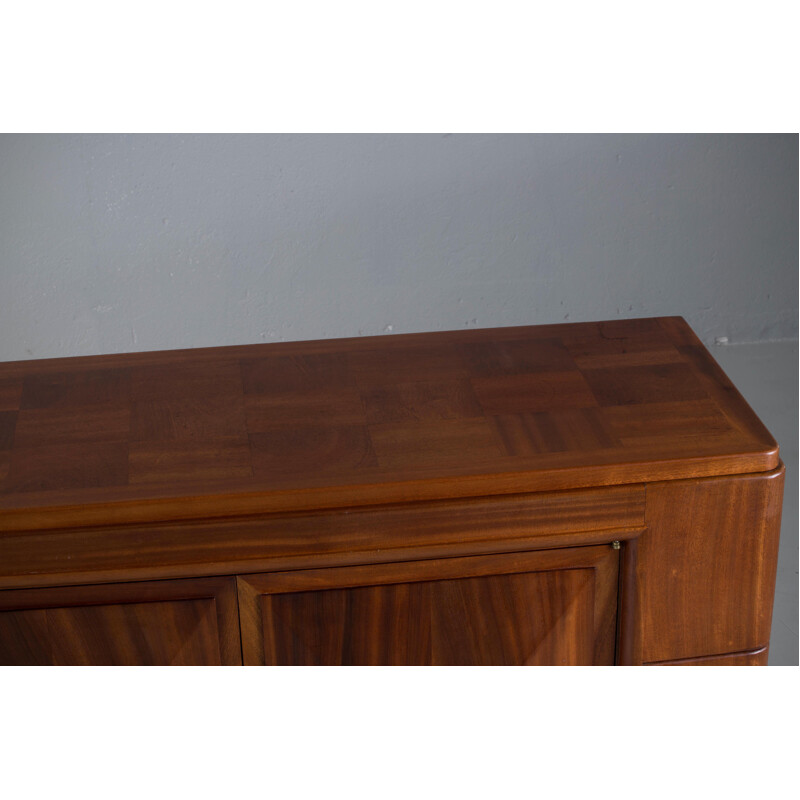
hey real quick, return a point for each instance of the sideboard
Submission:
(589, 493)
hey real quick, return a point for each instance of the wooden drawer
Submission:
(708, 560)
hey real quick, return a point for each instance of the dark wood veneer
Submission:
(277, 542)
(709, 593)
(149, 437)
(752, 658)
(551, 607)
(338, 484)
(151, 624)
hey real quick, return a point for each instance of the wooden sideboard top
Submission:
(230, 431)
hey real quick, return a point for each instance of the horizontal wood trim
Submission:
(437, 569)
(47, 510)
(364, 535)
(342, 559)
(749, 658)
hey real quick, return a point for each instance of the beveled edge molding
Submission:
(140, 509)
(302, 541)
(755, 657)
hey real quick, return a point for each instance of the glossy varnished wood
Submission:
(157, 623)
(752, 658)
(629, 630)
(707, 566)
(400, 532)
(223, 432)
(426, 498)
(553, 607)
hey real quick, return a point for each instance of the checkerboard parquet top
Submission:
(303, 425)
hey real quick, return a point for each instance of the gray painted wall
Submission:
(114, 243)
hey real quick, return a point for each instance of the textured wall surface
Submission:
(114, 243)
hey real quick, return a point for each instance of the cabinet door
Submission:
(182, 622)
(546, 607)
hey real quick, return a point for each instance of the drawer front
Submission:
(553, 607)
(707, 566)
(157, 623)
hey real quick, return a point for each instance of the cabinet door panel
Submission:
(156, 623)
(551, 607)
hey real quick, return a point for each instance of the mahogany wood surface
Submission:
(442, 498)
(399, 532)
(753, 658)
(629, 629)
(157, 624)
(222, 432)
(555, 607)
(707, 565)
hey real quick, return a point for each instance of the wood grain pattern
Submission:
(557, 607)
(69, 388)
(8, 424)
(55, 467)
(629, 629)
(5, 464)
(163, 623)
(426, 498)
(10, 394)
(278, 542)
(753, 658)
(236, 431)
(707, 564)
(639, 385)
